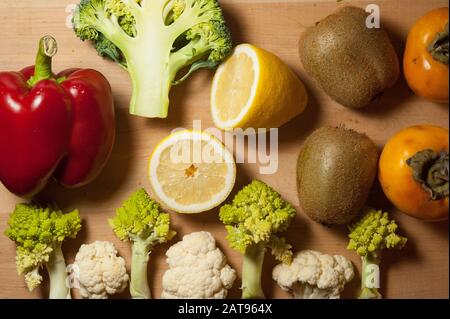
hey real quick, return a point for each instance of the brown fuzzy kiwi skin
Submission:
(353, 64)
(336, 169)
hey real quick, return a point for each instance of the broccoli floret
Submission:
(107, 49)
(141, 221)
(256, 214)
(371, 234)
(155, 40)
(39, 233)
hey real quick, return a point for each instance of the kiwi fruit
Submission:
(353, 64)
(336, 168)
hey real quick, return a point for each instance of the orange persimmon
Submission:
(425, 62)
(413, 171)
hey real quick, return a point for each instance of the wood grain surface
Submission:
(419, 271)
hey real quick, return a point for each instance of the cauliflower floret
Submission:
(313, 275)
(100, 272)
(197, 269)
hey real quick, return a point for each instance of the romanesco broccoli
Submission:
(256, 214)
(371, 234)
(141, 221)
(39, 233)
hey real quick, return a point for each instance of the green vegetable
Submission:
(371, 234)
(39, 233)
(253, 218)
(141, 221)
(154, 40)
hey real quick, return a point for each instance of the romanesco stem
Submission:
(56, 268)
(139, 288)
(252, 271)
(370, 279)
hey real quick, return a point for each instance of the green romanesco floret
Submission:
(280, 249)
(141, 221)
(155, 40)
(372, 233)
(39, 233)
(256, 214)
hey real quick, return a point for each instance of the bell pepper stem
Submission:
(43, 67)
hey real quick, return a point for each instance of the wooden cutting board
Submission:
(419, 271)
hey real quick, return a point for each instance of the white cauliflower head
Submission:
(197, 269)
(313, 275)
(100, 272)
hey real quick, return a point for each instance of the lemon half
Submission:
(191, 172)
(254, 88)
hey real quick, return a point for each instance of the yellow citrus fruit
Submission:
(254, 88)
(191, 172)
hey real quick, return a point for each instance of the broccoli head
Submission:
(155, 40)
(369, 235)
(39, 233)
(141, 221)
(256, 214)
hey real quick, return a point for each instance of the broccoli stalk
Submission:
(141, 221)
(371, 234)
(154, 40)
(256, 214)
(39, 233)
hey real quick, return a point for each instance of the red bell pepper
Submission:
(61, 126)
